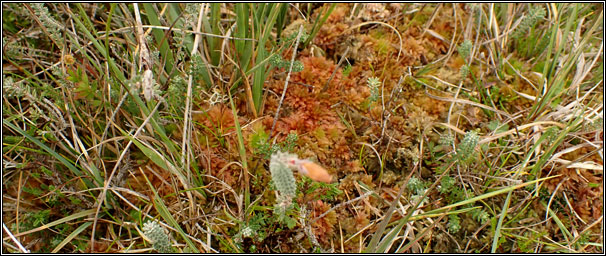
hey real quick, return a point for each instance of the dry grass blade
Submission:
(57, 222)
(273, 126)
(102, 197)
(468, 102)
(23, 250)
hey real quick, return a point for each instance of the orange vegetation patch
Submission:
(323, 228)
(581, 186)
(311, 112)
(159, 178)
(217, 143)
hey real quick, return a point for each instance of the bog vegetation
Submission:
(172, 127)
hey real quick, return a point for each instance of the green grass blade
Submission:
(71, 236)
(59, 221)
(160, 38)
(453, 212)
(98, 46)
(487, 195)
(56, 155)
(281, 20)
(389, 238)
(158, 159)
(372, 247)
(168, 217)
(497, 232)
(243, 47)
(318, 24)
(242, 150)
(567, 234)
(214, 43)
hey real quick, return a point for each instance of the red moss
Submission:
(323, 228)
